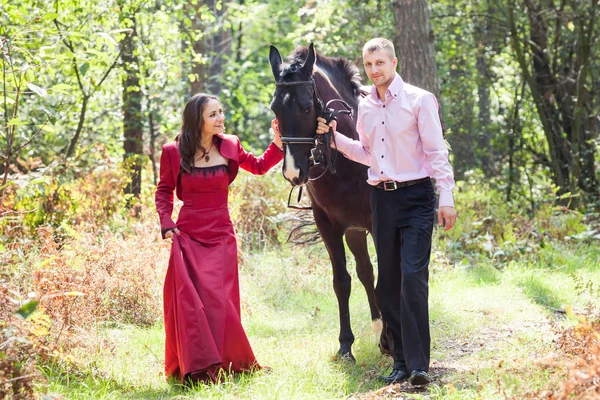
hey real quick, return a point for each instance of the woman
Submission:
(204, 333)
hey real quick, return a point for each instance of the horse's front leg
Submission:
(332, 237)
(357, 243)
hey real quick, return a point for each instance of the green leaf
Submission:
(7, 184)
(37, 90)
(62, 88)
(41, 179)
(74, 293)
(27, 309)
(571, 26)
(120, 30)
(51, 114)
(16, 122)
(83, 69)
(108, 37)
(49, 16)
(48, 128)
(76, 35)
(24, 67)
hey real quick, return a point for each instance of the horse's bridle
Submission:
(322, 150)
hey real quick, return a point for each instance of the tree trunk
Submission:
(551, 102)
(415, 44)
(514, 132)
(73, 143)
(588, 180)
(240, 35)
(211, 47)
(485, 151)
(132, 113)
(153, 137)
(462, 139)
(199, 68)
(221, 48)
(541, 83)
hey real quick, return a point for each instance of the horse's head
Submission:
(296, 107)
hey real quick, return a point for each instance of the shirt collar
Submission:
(393, 90)
(396, 87)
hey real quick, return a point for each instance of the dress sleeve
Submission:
(259, 165)
(163, 198)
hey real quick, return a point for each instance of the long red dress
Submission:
(202, 319)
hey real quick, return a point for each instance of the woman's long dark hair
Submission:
(192, 122)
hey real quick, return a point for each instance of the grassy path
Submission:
(491, 329)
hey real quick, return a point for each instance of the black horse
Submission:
(340, 201)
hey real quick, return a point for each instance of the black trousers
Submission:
(402, 230)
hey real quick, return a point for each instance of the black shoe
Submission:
(397, 375)
(419, 378)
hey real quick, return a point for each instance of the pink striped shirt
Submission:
(401, 139)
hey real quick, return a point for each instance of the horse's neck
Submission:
(330, 89)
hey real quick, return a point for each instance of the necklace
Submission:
(205, 155)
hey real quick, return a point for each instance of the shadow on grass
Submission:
(484, 273)
(88, 384)
(85, 383)
(536, 290)
(361, 378)
(363, 383)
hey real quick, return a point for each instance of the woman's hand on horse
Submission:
(276, 133)
(169, 234)
(322, 126)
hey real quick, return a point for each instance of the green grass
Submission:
(490, 334)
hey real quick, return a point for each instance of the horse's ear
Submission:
(275, 60)
(309, 63)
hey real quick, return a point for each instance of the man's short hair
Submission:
(379, 44)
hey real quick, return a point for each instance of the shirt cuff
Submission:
(446, 199)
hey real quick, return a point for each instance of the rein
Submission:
(322, 152)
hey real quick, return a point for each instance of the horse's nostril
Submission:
(296, 181)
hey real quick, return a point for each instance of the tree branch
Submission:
(540, 157)
(32, 137)
(4, 84)
(90, 92)
(108, 70)
(557, 35)
(69, 45)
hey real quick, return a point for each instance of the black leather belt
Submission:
(393, 185)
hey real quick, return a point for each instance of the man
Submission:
(400, 139)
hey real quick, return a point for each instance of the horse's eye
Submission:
(307, 110)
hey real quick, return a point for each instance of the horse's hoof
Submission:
(384, 349)
(346, 357)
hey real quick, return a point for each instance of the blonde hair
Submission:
(379, 44)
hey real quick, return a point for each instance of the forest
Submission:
(91, 91)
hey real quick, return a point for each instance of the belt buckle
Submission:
(392, 186)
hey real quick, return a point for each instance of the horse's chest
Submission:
(344, 201)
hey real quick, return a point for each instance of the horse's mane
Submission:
(343, 69)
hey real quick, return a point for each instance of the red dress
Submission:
(203, 327)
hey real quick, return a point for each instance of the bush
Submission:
(490, 227)
(21, 342)
(257, 204)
